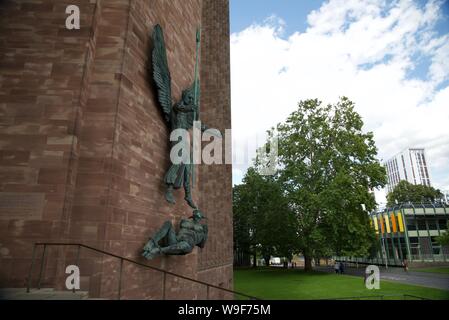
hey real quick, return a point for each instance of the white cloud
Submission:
(360, 49)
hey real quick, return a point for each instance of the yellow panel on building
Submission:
(387, 223)
(400, 222)
(376, 226)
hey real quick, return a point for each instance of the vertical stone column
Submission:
(119, 197)
(216, 259)
(89, 215)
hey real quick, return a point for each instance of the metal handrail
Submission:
(122, 259)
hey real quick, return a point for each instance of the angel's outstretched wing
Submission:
(161, 73)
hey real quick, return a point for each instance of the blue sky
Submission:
(294, 12)
(390, 57)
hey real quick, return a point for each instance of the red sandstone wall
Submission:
(216, 259)
(122, 181)
(42, 68)
(107, 190)
(142, 149)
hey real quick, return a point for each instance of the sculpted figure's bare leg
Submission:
(169, 194)
(152, 248)
(187, 190)
(177, 249)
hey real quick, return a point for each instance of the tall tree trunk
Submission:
(254, 260)
(267, 260)
(307, 263)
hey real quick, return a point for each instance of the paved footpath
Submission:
(425, 279)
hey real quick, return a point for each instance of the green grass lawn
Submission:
(282, 284)
(433, 270)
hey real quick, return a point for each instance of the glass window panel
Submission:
(432, 224)
(414, 240)
(410, 223)
(442, 224)
(422, 224)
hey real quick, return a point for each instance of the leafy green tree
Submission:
(242, 231)
(405, 192)
(263, 223)
(327, 168)
(444, 238)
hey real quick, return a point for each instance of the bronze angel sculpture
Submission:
(180, 115)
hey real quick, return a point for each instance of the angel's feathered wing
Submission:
(161, 73)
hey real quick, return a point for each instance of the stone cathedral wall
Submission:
(84, 147)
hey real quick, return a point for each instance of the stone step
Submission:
(41, 294)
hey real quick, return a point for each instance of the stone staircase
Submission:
(41, 294)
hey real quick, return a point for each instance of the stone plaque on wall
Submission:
(22, 206)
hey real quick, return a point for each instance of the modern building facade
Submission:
(408, 232)
(409, 165)
(445, 196)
